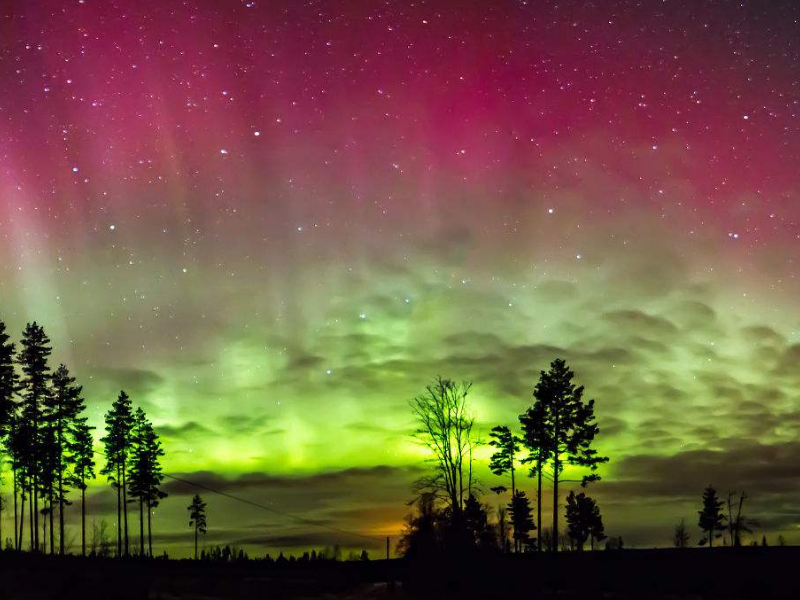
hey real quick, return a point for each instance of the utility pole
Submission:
(387, 547)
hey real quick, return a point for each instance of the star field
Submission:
(273, 222)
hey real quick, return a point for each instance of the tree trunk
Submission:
(60, 512)
(16, 524)
(513, 496)
(35, 513)
(149, 530)
(32, 522)
(83, 518)
(125, 508)
(195, 541)
(21, 519)
(119, 516)
(141, 528)
(555, 484)
(539, 508)
(52, 541)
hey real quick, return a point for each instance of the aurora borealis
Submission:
(273, 222)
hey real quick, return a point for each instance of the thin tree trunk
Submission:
(83, 518)
(539, 508)
(195, 542)
(21, 519)
(119, 516)
(31, 518)
(60, 512)
(35, 512)
(141, 528)
(16, 525)
(125, 507)
(52, 540)
(555, 485)
(513, 496)
(149, 530)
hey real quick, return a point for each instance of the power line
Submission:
(270, 508)
(275, 510)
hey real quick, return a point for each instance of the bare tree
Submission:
(445, 429)
(739, 523)
(681, 536)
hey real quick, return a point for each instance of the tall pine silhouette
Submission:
(117, 446)
(34, 351)
(504, 460)
(8, 388)
(570, 421)
(145, 474)
(62, 408)
(81, 448)
(197, 518)
(711, 518)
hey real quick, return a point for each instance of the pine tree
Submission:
(197, 518)
(145, 473)
(81, 448)
(504, 459)
(537, 438)
(711, 518)
(32, 358)
(521, 517)
(61, 409)
(572, 427)
(117, 445)
(9, 383)
(153, 494)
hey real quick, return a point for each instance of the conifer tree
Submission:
(521, 516)
(711, 518)
(571, 425)
(32, 358)
(117, 446)
(62, 408)
(583, 520)
(81, 448)
(145, 473)
(537, 440)
(9, 383)
(197, 518)
(504, 459)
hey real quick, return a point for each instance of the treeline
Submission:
(46, 439)
(329, 554)
(556, 431)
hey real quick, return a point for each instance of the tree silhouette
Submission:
(33, 355)
(446, 431)
(9, 383)
(62, 407)
(145, 474)
(81, 449)
(503, 460)
(711, 518)
(521, 517)
(680, 539)
(476, 521)
(571, 424)
(583, 520)
(502, 528)
(537, 438)
(738, 523)
(119, 426)
(197, 518)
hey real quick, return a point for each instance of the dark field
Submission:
(752, 573)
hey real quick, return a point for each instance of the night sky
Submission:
(273, 222)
